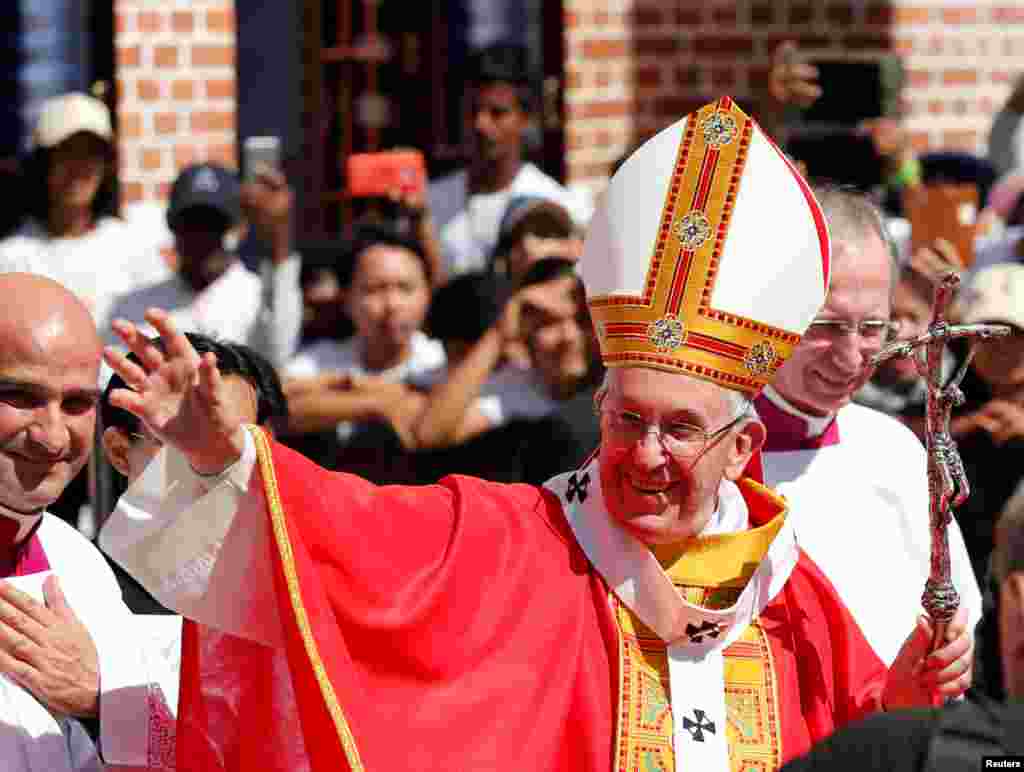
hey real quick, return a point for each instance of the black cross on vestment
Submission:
(700, 726)
(696, 634)
(577, 487)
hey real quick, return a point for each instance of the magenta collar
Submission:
(788, 431)
(24, 558)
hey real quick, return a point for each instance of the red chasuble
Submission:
(460, 627)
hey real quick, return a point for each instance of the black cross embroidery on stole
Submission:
(696, 634)
(577, 487)
(700, 726)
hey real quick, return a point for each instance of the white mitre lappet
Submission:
(707, 256)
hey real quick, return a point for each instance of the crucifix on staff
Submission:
(947, 483)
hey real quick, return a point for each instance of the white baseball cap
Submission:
(995, 294)
(69, 114)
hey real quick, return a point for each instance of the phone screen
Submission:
(258, 152)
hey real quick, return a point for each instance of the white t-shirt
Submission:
(424, 366)
(467, 225)
(512, 393)
(264, 312)
(113, 258)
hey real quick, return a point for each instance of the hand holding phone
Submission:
(792, 79)
(943, 211)
(260, 153)
(383, 174)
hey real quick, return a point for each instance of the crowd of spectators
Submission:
(450, 334)
(454, 323)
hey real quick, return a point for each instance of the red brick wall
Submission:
(175, 89)
(633, 66)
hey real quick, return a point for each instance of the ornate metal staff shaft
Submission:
(947, 483)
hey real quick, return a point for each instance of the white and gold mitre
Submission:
(708, 254)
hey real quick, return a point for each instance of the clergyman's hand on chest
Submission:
(47, 650)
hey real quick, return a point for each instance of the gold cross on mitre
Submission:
(708, 254)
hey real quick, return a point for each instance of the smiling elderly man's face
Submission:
(659, 496)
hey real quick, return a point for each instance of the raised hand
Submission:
(179, 396)
(268, 202)
(792, 80)
(937, 260)
(1002, 419)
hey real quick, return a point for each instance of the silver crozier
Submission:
(947, 483)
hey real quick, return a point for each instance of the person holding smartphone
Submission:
(213, 292)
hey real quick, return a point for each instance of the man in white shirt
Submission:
(55, 669)
(467, 206)
(855, 478)
(213, 292)
(335, 387)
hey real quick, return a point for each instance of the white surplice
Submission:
(138, 658)
(860, 510)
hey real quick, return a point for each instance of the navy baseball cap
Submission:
(205, 185)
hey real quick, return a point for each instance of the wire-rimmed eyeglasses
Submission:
(146, 437)
(872, 331)
(678, 438)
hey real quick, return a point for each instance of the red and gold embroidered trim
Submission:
(284, 546)
(645, 740)
(672, 326)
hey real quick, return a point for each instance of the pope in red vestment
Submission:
(461, 626)
(649, 610)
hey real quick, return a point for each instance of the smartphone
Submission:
(258, 152)
(855, 91)
(377, 174)
(943, 210)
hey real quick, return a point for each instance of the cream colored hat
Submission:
(995, 294)
(69, 114)
(708, 254)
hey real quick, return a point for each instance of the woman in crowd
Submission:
(72, 232)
